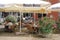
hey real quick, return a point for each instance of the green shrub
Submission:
(58, 25)
(11, 18)
(46, 25)
(0, 23)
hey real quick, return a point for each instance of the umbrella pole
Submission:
(20, 22)
(9, 13)
(34, 18)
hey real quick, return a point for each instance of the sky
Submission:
(18, 1)
(21, 1)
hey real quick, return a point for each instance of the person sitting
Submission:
(8, 25)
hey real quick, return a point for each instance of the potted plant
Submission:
(46, 26)
(11, 18)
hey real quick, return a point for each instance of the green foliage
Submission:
(11, 18)
(0, 23)
(46, 25)
(58, 25)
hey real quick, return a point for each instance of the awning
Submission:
(25, 9)
(16, 8)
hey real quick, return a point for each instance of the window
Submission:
(40, 15)
(4, 14)
(44, 15)
(27, 14)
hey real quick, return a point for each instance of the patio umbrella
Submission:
(41, 3)
(1, 10)
(16, 8)
(35, 2)
(1, 5)
(33, 9)
(54, 7)
(19, 9)
(13, 8)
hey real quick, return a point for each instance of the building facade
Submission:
(54, 14)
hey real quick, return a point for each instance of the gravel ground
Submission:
(29, 37)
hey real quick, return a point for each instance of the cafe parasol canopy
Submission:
(16, 8)
(55, 7)
(1, 9)
(11, 6)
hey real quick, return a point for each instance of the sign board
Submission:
(31, 5)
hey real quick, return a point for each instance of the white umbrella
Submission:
(13, 2)
(54, 7)
(21, 2)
